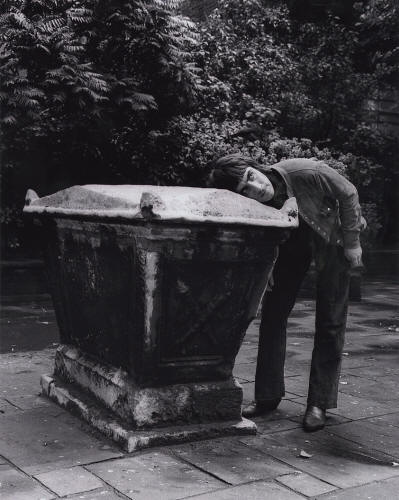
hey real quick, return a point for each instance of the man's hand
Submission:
(363, 223)
(354, 255)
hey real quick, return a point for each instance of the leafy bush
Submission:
(83, 84)
(127, 91)
(291, 88)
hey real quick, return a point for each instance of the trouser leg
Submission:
(288, 273)
(331, 312)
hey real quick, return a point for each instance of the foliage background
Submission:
(130, 92)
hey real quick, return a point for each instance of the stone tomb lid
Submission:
(169, 203)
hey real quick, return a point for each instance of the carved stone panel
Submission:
(95, 276)
(204, 316)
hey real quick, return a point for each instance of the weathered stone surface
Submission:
(305, 484)
(386, 420)
(244, 372)
(135, 439)
(361, 386)
(14, 367)
(20, 334)
(149, 406)
(265, 426)
(98, 494)
(381, 490)
(40, 441)
(356, 407)
(69, 481)
(371, 435)
(337, 461)
(153, 289)
(14, 485)
(248, 392)
(29, 401)
(162, 203)
(155, 475)
(6, 407)
(260, 490)
(201, 283)
(232, 462)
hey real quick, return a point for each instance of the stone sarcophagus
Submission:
(154, 288)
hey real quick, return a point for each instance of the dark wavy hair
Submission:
(228, 171)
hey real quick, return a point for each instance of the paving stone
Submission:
(286, 409)
(271, 426)
(335, 460)
(374, 371)
(26, 334)
(6, 407)
(98, 494)
(240, 380)
(355, 407)
(36, 441)
(371, 435)
(386, 420)
(305, 484)
(29, 401)
(69, 481)
(20, 372)
(245, 371)
(371, 389)
(231, 461)
(351, 361)
(260, 490)
(339, 452)
(292, 372)
(154, 475)
(248, 355)
(381, 490)
(14, 485)
(10, 312)
(248, 392)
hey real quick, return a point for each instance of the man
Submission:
(330, 222)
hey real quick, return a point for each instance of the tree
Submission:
(83, 82)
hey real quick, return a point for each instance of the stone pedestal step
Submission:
(90, 410)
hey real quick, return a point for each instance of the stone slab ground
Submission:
(47, 453)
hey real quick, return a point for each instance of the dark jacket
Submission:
(327, 201)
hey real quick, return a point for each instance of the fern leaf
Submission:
(51, 25)
(20, 20)
(146, 100)
(9, 120)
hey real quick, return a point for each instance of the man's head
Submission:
(241, 174)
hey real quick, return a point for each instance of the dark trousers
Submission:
(294, 259)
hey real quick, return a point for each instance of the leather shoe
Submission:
(314, 419)
(260, 408)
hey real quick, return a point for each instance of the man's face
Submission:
(256, 185)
